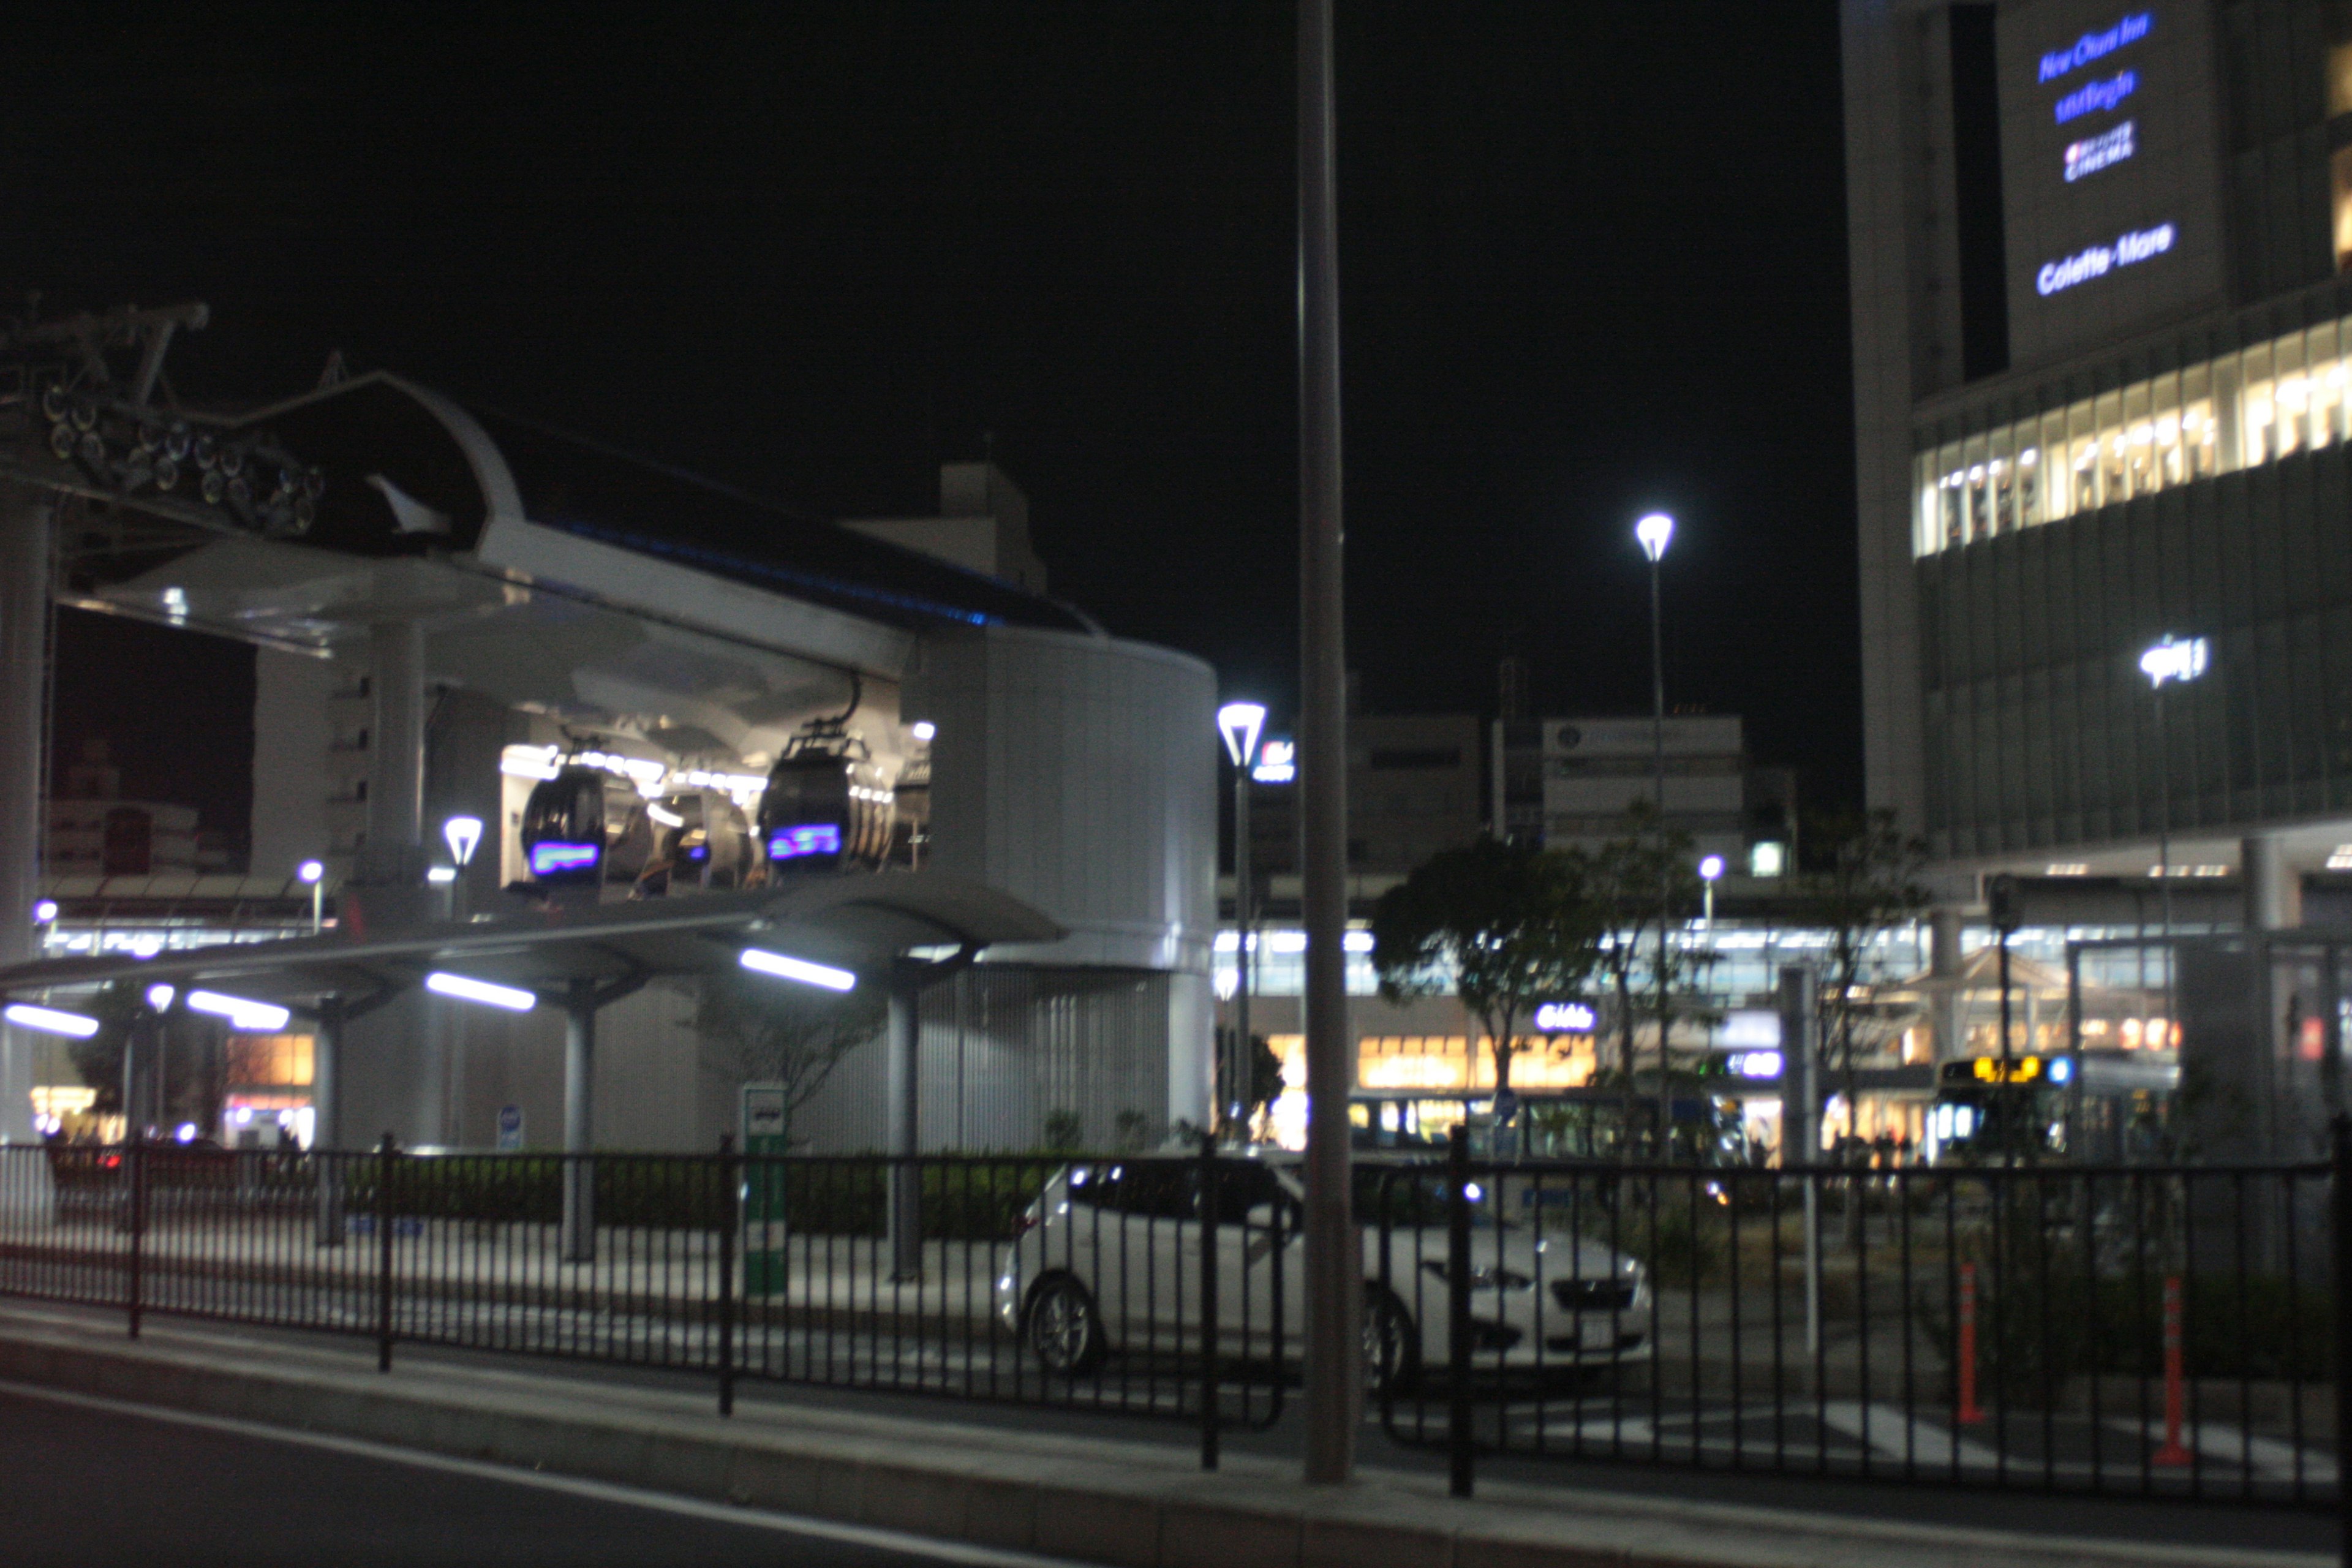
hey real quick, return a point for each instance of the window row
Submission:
(2239, 411)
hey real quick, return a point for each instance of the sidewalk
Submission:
(1121, 1503)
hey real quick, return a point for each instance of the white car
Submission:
(1107, 1262)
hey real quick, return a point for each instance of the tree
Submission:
(1643, 878)
(1503, 926)
(1867, 883)
(757, 1030)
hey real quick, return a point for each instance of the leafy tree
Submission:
(1645, 878)
(1866, 884)
(755, 1030)
(1504, 925)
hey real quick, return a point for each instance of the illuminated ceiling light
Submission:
(49, 1020)
(2340, 858)
(1654, 533)
(467, 988)
(924, 730)
(761, 962)
(2067, 869)
(256, 1017)
(441, 876)
(665, 817)
(2171, 659)
(159, 996)
(463, 835)
(1240, 723)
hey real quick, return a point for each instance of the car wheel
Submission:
(1066, 1332)
(1391, 1346)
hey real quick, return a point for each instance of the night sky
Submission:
(1592, 262)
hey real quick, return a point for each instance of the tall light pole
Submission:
(1653, 533)
(1710, 872)
(464, 836)
(2170, 659)
(1335, 1278)
(1240, 723)
(315, 872)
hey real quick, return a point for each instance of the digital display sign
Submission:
(2111, 212)
(808, 839)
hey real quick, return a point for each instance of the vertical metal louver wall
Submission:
(1003, 1049)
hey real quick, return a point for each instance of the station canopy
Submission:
(861, 924)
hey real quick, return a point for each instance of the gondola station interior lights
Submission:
(467, 989)
(49, 1020)
(761, 962)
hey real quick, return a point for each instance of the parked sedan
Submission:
(1109, 1260)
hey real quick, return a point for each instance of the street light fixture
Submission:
(1710, 871)
(462, 833)
(314, 872)
(1241, 723)
(2180, 659)
(1653, 533)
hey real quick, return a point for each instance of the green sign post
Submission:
(764, 1113)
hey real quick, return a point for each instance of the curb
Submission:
(1121, 1504)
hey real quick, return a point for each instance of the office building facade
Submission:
(2102, 342)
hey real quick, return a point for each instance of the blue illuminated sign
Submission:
(2097, 46)
(809, 838)
(2093, 154)
(555, 856)
(2097, 97)
(2084, 265)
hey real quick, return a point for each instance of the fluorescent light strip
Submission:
(259, 1018)
(800, 969)
(50, 1021)
(471, 990)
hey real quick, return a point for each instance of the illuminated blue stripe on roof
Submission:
(725, 561)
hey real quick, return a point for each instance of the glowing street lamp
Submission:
(315, 873)
(1653, 533)
(462, 833)
(2178, 659)
(1241, 723)
(1710, 872)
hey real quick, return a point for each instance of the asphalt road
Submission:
(94, 1484)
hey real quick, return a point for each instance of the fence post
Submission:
(1209, 1205)
(2341, 1196)
(135, 1179)
(1967, 1414)
(1457, 1308)
(386, 1154)
(730, 1222)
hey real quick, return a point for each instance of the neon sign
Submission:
(808, 839)
(2097, 46)
(2084, 265)
(2093, 154)
(1564, 1018)
(552, 856)
(2097, 97)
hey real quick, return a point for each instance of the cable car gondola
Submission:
(826, 807)
(564, 829)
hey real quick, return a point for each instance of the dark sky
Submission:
(1593, 261)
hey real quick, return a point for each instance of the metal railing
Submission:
(1103, 1283)
(2171, 1333)
(2133, 1330)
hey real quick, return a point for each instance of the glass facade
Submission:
(2240, 410)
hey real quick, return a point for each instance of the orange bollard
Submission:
(1969, 1414)
(2172, 1452)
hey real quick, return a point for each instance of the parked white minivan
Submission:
(1107, 1262)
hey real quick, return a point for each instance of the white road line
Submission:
(596, 1491)
(1882, 1426)
(2272, 1459)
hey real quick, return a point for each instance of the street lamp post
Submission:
(2168, 659)
(1653, 533)
(1240, 723)
(463, 835)
(315, 873)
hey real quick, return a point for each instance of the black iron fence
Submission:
(2169, 1331)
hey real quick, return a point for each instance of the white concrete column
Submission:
(1944, 978)
(579, 1122)
(395, 813)
(2273, 887)
(27, 531)
(326, 1118)
(905, 1039)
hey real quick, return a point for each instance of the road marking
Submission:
(2271, 1459)
(596, 1491)
(1881, 1428)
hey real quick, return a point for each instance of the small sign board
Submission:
(765, 1118)
(509, 1129)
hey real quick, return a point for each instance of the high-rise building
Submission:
(2102, 337)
